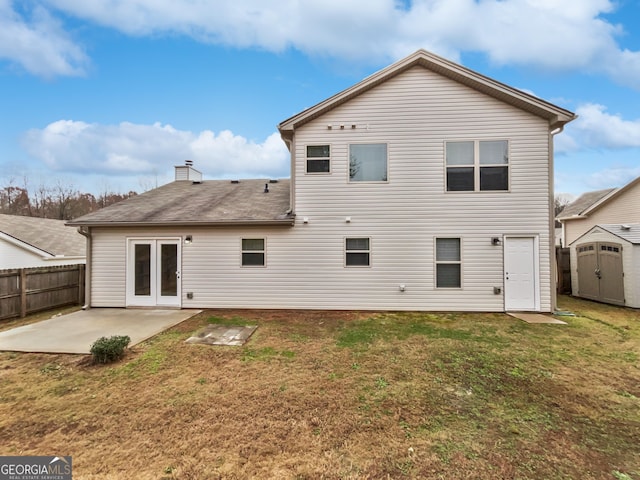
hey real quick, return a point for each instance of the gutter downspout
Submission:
(86, 232)
(552, 222)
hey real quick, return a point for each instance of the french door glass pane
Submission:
(168, 269)
(142, 269)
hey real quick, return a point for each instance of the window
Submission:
(448, 263)
(477, 165)
(368, 162)
(357, 252)
(253, 252)
(318, 158)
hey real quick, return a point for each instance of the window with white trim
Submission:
(448, 263)
(318, 158)
(477, 165)
(368, 162)
(253, 252)
(357, 252)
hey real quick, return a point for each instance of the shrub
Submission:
(106, 350)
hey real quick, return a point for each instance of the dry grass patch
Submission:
(343, 395)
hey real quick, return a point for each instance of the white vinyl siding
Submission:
(414, 113)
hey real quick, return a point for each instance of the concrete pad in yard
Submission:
(536, 318)
(76, 332)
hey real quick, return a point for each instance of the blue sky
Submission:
(108, 95)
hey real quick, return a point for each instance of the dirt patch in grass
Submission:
(343, 395)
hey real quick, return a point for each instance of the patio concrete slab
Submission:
(75, 332)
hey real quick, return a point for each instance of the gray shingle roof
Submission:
(583, 202)
(45, 234)
(182, 202)
(631, 235)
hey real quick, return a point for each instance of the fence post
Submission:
(81, 275)
(23, 292)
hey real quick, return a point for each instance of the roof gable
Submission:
(627, 232)
(555, 115)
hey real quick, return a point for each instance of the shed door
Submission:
(600, 275)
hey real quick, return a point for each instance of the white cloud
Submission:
(38, 44)
(543, 34)
(596, 128)
(131, 149)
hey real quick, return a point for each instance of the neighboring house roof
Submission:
(49, 237)
(556, 116)
(589, 202)
(583, 203)
(211, 202)
(629, 232)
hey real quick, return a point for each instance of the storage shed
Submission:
(606, 264)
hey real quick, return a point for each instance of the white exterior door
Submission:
(153, 273)
(520, 274)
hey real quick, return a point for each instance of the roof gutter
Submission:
(86, 232)
(289, 221)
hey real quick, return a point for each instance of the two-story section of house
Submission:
(426, 186)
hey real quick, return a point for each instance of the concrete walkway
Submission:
(76, 332)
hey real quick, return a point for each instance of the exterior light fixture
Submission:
(188, 240)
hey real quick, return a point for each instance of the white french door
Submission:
(153, 272)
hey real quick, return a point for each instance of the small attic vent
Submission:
(273, 181)
(235, 181)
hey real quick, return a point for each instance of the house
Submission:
(27, 242)
(609, 206)
(426, 186)
(607, 264)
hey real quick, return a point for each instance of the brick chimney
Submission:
(187, 172)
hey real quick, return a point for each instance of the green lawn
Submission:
(344, 395)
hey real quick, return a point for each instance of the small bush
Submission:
(106, 350)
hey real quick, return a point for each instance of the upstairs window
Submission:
(253, 252)
(357, 252)
(318, 158)
(477, 165)
(448, 263)
(368, 162)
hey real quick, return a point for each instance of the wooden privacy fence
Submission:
(29, 290)
(563, 259)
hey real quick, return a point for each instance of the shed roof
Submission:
(211, 202)
(45, 234)
(556, 116)
(630, 234)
